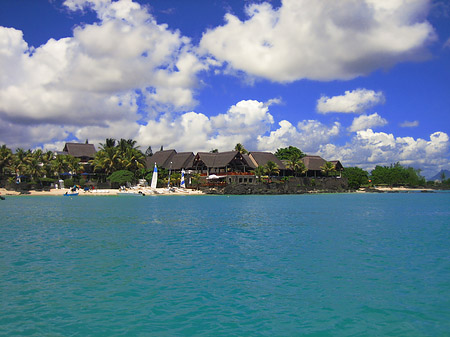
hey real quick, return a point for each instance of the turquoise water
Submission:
(302, 265)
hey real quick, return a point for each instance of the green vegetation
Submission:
(295, 163)
(240, 148)
(123, 156)
(328, 168)
(356, 177)
(289, 152)
(121, 177)
(397, 175)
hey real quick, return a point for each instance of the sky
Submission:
(366, 82)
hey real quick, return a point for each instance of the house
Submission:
(313, 164)
(338, 166)
(83, 151)
(262, 158)
(221, 162)
(170, 159)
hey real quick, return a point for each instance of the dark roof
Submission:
(79, 150)
(313, 163)
(249, 161)
(161, 158)
(337, 164)
(220, 159)
(261, 159)
(182, 160)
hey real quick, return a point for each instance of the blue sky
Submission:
(363, 81)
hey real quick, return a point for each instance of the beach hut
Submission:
(313, 164)
(262, 158)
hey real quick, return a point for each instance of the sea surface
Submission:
(298, 265)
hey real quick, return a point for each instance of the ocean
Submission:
(297, 265)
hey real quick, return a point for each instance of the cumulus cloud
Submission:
(368, 149)
(356, 101)
(95, 78)
(364, 122)
(193, 131)
(321, 39)
(409, 124)
(307, 135)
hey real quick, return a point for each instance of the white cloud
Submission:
(196, 132)
(96, 77)
(409, 124)
(308, 136)
(356, 101)
(368, 149)
(321, 39)
(364, 122)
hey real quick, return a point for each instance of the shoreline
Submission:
(101, 192)
(178, 191)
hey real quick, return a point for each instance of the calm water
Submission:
(304, 265)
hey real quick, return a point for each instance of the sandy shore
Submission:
(158, 191)
(393, 189)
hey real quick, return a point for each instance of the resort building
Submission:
(170, 159)
(83, 151)
(262, 158)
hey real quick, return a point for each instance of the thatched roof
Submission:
(313, 163)
(250, 161)
(337, 165)
(161, 158)
(262, 158)
(221, 159)
(182, 160)
(80, 150)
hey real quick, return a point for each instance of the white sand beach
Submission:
(106, 192)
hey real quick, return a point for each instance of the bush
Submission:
(121, 177)
(68, 183)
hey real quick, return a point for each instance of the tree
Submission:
(59, 165)
(328, 168)
(121, 177)
(272, 168)
(6, 158)
(356, 177)
(289, 152)
(396, 175)
(240, 148)
(259, 172)
(214, 151)
(73, 164)
(295, 164)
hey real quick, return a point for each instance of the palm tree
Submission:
(109, 143)
(272, 168)
(34, 166)
(6, 157)
(296, 164)
(106, 160)
(328, 168)
(73, 164)
(259, 172)
(59, 165)
(240, 148)
(19, 161)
